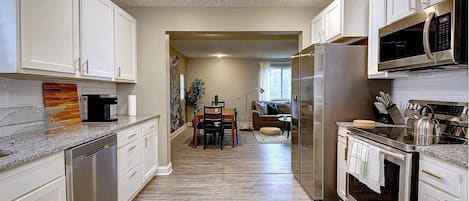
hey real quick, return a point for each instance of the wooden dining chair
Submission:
(220, 103)
(227, 124)
(213, 124)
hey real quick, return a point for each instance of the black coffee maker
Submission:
(98, 108)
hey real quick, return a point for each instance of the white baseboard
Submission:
(164, 170)
(177, 132)
(189, 124)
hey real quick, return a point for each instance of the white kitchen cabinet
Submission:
(53, 191)
(345, 21)
(42, 179)
(377, 19)
(97, 38)
(440, 180)
(49, 35)
(342, 163)
(426, 3)
(136, 158)
(430, 193)
(397, 9)
(148, 155)
(125, 46)
(317, 29)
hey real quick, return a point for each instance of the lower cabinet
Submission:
(342, 163)
(42, 179)
(53, 191)
(441, 181)
(136, 158)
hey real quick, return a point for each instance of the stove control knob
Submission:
(409, 106)
(417, 106)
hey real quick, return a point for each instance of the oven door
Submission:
(399, 173)
(423, 39)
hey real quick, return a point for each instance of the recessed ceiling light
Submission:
(219, 55)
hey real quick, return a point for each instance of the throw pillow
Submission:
(261, 108)
(272, 109)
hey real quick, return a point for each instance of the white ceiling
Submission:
(223, 3)
(267, 49)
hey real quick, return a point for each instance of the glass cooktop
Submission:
(402, 137)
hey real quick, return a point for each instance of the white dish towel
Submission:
(366, 163)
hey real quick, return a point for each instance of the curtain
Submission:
(264, 81)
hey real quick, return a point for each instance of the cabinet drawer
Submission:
(128, 135)
(24, 179)
(128, 156)
(129, 183)
(428, 192)
(149, 126)
(439, 176)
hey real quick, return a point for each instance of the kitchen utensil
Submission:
(64, 96)
(426, 125)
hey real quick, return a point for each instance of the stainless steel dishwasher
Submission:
(91, 170)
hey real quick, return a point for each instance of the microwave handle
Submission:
(426, 35)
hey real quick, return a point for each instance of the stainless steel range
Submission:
(398, 143)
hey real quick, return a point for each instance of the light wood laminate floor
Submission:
(250, 171)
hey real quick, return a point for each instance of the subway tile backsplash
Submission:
(21, 92)
(449, 86)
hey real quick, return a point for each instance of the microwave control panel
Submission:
(444, 32)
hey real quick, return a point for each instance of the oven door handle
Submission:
(426, 35)
(392, 154)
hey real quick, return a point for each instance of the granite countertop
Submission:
(454, 154)
(24, 148)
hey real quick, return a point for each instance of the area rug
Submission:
(272, 139)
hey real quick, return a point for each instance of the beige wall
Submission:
(231, 79)
(153, 71)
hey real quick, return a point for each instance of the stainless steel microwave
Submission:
(435, 37)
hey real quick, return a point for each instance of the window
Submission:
(280, 83)
(181, 86)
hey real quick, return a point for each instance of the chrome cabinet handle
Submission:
(131, 136)
(432, 175)
(79, 64)
(152, 127)
(132, 148)
(426, 35)
(133, 174)
(119, 71)
(85, 63)
(146, 142)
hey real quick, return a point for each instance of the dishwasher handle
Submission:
(96, 151)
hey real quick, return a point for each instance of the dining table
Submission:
(228, 113)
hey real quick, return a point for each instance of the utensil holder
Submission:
(396, 115)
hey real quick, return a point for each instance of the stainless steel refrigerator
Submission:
(329, 85)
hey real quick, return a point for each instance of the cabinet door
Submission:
(97, 38)
(53, 191)
(148, 156)
(333, 20)
(377, 19)
(49, 35)
(341, 168)
(317, 29)
(125, 45)
(429, 193)
(397, 9)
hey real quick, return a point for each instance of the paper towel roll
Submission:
(132, 103)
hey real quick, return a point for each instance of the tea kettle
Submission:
(425, 125)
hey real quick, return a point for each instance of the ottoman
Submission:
(270, 131)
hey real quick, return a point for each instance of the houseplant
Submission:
(195, 93)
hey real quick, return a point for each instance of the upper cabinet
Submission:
(396, 9)
(97, 38)
(317, 29)
(343, 22)
(125, 46)
(49, 42)
(427, 3)
(67, 39)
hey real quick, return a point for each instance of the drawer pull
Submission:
(152, 127)
(132, 148)
(432, 174)
(133, 174)
(133, 135)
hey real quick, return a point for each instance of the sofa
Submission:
(265, 116)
